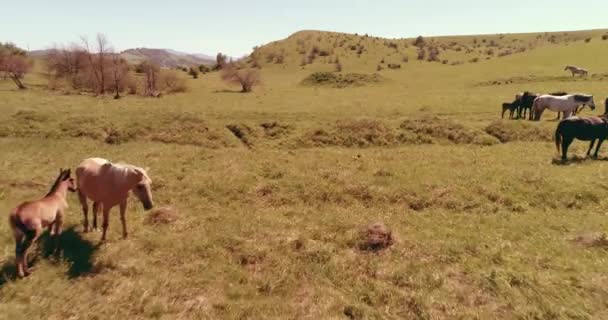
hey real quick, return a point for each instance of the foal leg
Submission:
(123, 209)
(18, 253)
(85, 210)
(29, 241)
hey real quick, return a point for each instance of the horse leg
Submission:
(105, 223)
(18, 253)
(85, 210)
(123, 209)
(565, 144)
(597, 149)
(96, 207)
(27, 245)
(590, 147)
(58, 229)
(558, 114)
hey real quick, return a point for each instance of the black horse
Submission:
(586, 129)
(525, 104)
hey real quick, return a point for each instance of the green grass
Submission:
(486, 225)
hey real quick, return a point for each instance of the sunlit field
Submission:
(274, 188)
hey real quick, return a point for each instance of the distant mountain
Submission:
(166, 57)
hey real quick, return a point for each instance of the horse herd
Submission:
(571, 127)
(105, 183)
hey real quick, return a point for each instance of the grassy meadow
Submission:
(487, 224)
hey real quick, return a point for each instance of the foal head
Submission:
(63, 179)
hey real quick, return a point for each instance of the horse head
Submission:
(71, 184)
(142, 189)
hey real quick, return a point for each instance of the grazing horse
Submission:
(107, 185)
(567, 104)
(512, 107)
(28, 220)
(586, 129)
(576, 70)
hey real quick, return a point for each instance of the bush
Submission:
(605, 37)
(421, 54)
(419, 42)
(170, 82)
(587, 40)
(193, 72)
(246, 78)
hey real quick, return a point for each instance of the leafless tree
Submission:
(220, 61)
(151, 72)
(14, 63)
(119, 71)
(98, 60)
(246, 78)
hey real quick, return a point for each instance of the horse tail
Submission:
(16, 225)
(558, 136)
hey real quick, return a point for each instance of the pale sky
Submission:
(235, 26)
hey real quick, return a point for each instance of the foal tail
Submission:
(17, 226)
(558, 137)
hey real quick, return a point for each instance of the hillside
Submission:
(319, 49)
(274, 190)
(166, 57)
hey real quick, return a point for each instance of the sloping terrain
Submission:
(273, 191)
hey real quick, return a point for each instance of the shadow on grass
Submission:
(228, 91)
(74, 250)
(576, 160)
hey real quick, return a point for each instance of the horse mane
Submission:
(125, 166)
(559, 93)
(59, 179)
(582, 98)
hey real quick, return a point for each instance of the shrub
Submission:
(605, 37)
(419, 42)
(170, 82)
(405, 59)
(587, 40)
(246, 78)
(394, 66)
(421, 54)
(193, 72)
(203, 68)
(338, 66)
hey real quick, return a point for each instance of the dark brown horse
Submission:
(586, 129)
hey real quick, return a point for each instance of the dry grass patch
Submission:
(507, 131)
(165, 215)
(437, 130)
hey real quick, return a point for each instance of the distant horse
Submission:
(586, 129)
(107, 185)
(511, 107)
(28, 220)
(567, 104)
(576, 70)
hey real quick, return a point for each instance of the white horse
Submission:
(567, 104)
(576, 70)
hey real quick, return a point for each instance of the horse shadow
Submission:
(574, 160)
(73, 249)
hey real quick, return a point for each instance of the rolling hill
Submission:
(166, 57)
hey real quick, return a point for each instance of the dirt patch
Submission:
(507, 131)
(166, 215)
(242, 132)
(338, 80)
(592, 239)
(376, 237)
(274, 129)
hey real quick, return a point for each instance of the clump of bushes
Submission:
(340, 80)
(518, 131)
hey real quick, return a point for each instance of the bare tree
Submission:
(220, 61)
(98, 60)
(14, 63)
(70, 63)
(246, 78)
(119, 71)
(151, 72)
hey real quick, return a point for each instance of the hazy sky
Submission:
(235, 26)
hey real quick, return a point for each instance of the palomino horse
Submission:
(576, 70)
(586, 129)
(107, 185)
(30, 218)
(567, 104)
